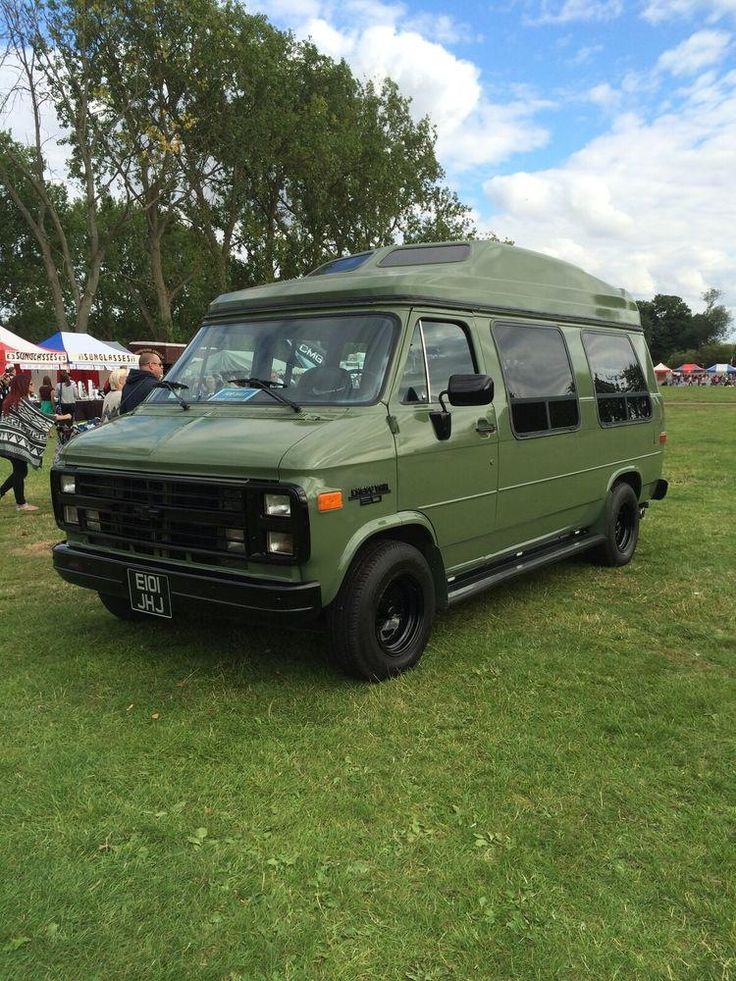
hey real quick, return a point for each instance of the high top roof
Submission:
(483, 276)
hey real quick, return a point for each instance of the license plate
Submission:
(149, 593)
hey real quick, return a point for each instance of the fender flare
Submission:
(382, 528)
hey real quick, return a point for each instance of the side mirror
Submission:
(461, 390)
(470, 390)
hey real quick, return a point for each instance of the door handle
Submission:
(484, 427)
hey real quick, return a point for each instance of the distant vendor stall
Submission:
(28, 356)
(89, 362)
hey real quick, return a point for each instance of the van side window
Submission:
(620, 387)
(438, 349)
(539, 379)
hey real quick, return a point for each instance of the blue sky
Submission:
(599, 131)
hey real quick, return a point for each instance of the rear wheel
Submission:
(380, 621)
(621, 527)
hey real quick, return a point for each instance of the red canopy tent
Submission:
(16, 350)
(690, 369)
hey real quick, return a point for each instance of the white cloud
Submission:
(700, 50)
(647, 206)
(380, 41)
(328, 39)
(604, 95)
(572, 11)
(442, 28)
(438, 82)
(586, 54)
(665, 11)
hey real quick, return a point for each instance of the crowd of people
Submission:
(25, 422)
(681, 379)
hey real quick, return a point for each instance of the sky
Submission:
(602, 132)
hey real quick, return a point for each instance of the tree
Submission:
(54, 44)
(207, 150)
(24, 296)
(667, 322)
(671, 328)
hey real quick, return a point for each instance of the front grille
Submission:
(174, 518)
(188, 519)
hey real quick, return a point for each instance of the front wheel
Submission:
(380, 620)
(621, 528)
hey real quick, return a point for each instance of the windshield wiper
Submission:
(265, 386)
(172, 387)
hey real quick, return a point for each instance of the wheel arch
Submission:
(630, 476)
(409, 527)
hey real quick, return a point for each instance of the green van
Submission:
(387, 436)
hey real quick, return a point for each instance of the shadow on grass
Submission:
(227, 647)
(241, 652)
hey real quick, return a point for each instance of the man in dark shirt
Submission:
(141, 380)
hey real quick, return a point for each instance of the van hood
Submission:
(218, 442)
(209, 443)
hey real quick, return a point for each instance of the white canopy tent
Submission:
(86, 353)
(721, 369)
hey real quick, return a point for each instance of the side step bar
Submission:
(479, 580)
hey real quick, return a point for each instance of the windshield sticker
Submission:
(234, 395)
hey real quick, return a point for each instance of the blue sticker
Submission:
(233, 395)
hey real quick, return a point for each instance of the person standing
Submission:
(5, 381)
(46, 393)
(141, 381)
(23, 434)
(111, 405)
(66, 395)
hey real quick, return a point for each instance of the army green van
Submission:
(392, 434)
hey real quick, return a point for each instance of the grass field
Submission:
(551, 794)
(709, 394)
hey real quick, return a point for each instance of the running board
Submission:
(472, 583)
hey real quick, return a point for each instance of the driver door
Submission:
(453, 482)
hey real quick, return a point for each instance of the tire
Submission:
(379, 623)
(119, 606)
(621, 527)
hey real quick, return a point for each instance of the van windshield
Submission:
(335, 360)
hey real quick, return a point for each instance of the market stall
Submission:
(30, 357)
(89, 362)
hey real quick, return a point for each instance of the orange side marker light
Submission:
(329, 501)
(663, 438)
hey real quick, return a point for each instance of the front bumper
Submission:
(294, 602)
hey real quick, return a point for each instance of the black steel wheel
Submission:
(621, 527)
(380, 621)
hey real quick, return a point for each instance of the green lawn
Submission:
(675, 395)
(551, 794)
